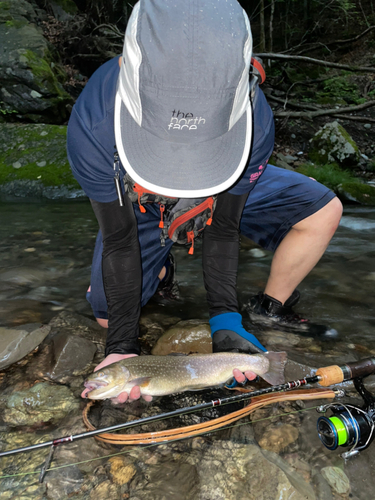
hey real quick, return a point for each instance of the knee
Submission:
(102, 322)
(123, 237)
(324, 221)
(333, 213)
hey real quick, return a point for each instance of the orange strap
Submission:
(258, 66)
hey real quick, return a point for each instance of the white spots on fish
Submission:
(192, 371)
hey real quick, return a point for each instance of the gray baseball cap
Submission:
(183, 119)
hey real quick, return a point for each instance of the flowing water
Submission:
(46, 250)
(45, 257)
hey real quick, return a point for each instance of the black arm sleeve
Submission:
(220, 254)
(122, 274)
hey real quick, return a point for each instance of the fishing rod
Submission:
(325, 377)
(174, 413)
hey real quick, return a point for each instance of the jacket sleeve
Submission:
(220, 254)
(122, 274)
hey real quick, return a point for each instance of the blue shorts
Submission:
(280, 199)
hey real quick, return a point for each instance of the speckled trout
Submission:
(162, 375)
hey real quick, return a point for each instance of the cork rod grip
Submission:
(330, 375)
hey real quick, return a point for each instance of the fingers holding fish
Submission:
(133, 395)
(241, 377)
(122, 397)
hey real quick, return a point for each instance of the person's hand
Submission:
(135, 392)
(241, 377)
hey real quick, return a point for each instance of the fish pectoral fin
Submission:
(141, 381)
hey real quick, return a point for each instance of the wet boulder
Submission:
(229, 471)
(72, 355)
(190, 336)
(333, 144)
(42, 403)
(31, 75)
(16, 343)
(357, 192)
(337, 479)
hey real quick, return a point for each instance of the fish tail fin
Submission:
(275, 374)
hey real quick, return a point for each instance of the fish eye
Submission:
(101, 374)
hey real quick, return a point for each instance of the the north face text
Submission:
(181, 121)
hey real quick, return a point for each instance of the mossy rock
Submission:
(32, 75)
(333, 144)
(33, 161)
(357, 192)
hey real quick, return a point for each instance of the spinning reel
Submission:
(349, 425)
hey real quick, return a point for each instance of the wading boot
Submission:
(265, 310)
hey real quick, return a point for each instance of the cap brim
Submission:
(182, 170)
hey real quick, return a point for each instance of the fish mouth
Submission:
(91, 385)
(98, 389)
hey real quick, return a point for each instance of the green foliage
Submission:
(14, 23)
(371, 165)
(4, 110)
(345, 5)
(340, 89)
(330, 175)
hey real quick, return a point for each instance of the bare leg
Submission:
(301, 249)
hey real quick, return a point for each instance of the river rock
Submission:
(357, 192)
(337, 479)
(171, 479)
(63, 10)
(333, 144)
(63, 483)
(321, 486)
(31, 74)
(277, 438)
(229, 471)
(282, 161)
(16, 343)
(43, 170)
(104, 491)
(42, 403)
(191, 336)
(295, 478)
(121, 470)
(283, 340)
(72, 355)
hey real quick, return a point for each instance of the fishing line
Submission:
(158, 444)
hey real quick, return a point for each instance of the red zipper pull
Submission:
(139, 190)
(190, 239)
(161, 223)
(141, 207)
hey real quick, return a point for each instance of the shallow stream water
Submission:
(46, 251)
(45, 256)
